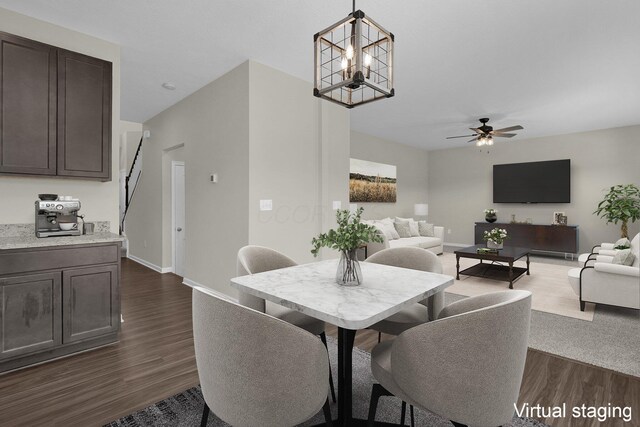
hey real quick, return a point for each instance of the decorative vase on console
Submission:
(490, 215)
(350, 235)
(495, 238)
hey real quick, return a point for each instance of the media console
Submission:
(546, 238)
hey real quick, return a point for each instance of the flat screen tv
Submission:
(533, 182)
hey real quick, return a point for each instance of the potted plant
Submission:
(621, 203)
(490, 215)
(495, 238)
(350, 235)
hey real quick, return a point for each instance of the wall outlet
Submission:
(145, 243)
(146, 134)
(448, 231)
(266, 205)
(337, 204)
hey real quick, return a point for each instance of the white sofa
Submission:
(601, 281)
(434, 244)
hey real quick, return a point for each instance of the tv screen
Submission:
(533, 182)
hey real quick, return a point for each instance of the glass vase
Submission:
(349, 273)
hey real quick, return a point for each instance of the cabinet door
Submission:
(91, 303)
(27, 106)
(30, 316)
(84, 116)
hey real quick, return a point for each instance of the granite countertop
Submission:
(22, 242)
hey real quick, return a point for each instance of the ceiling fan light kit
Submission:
(484, 134)
(353, 61)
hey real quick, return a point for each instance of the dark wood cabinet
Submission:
(56, 301)
(90, 302)
(55, 108)
(84, 116)
(31, 314)
(546, 238)
(27, 106)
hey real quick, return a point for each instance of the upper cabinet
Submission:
(55, 111)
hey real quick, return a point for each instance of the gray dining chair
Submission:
(257, 259)
(419, 313)
(254, 369)
(466, 366)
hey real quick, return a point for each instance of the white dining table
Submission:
(311, 289)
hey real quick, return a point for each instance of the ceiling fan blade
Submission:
(476, 130)
(504, 135)
(461, 136)
(510, 128)
(471, 140)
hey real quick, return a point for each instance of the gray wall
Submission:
(411, 166)
(461, 184)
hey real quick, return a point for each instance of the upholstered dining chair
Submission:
(466, 366)
(419, 313)
(254, 369)
(257, 259)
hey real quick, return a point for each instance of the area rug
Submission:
(548, 284)
(185, 409)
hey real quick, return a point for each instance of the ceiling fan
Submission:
(484, 134)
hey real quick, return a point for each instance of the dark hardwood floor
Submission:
(154, 359)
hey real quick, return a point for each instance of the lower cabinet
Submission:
(90, 302)
(31, 315)
(48, 314)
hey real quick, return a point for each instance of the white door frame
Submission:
(174, 163)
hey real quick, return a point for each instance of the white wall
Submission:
(461, 183)
(299, 145)
(212, 124)
(100, 200)
(411, 168)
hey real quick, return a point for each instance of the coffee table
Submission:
(491, 270)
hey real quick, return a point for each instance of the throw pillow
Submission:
(389, 230)
(382, 231)
(623, 257)
(413, 225)
(403, 229)
(425, 229)
(623, 243)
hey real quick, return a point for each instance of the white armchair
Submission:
(601, 281)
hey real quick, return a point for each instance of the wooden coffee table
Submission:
(493, 270)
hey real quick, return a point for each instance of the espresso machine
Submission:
(57, 217)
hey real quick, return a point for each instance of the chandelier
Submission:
(353, 61)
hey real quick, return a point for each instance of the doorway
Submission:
(178, 216)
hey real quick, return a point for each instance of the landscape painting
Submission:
(371, 182)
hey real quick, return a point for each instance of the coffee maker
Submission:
(57, 217)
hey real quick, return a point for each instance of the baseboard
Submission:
(152, 266)
(458, 245)
(194, 284)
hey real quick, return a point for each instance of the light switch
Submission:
(337, 204)
(146, 134)
(213, 178)
(266, 205)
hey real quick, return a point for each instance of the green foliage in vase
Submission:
(350, 235)
(620, 204)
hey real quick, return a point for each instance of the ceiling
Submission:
(554, 67)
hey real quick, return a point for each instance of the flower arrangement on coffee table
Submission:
(495, 238)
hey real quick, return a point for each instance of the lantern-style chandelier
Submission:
(353, 61)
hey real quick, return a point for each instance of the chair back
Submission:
(257, 259)
(467, 366)
(408, 257)
(256, 370)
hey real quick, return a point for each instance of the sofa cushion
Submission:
(418, 242)
(387, 225)
(403, 229)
